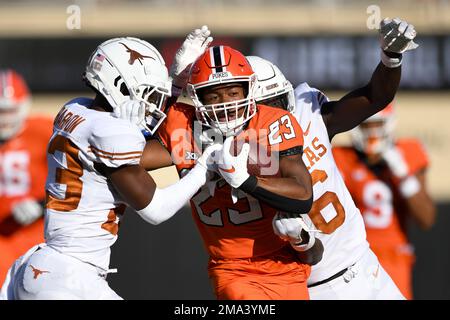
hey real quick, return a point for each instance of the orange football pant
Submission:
(278, 276)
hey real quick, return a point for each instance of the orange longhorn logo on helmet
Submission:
(134, 55)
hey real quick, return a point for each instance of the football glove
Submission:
(396, 36)
(193, 47)
(130, 110)
(408, 185)
(289, 227)
(27, 211)
(395, 161)
(208, 160)
(234, 169)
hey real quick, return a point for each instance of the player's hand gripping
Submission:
(395, 161)
(193, 46)
(210, 157)
(293, 228)
(130, 110)
(27, 211)
(234, 169)
(396, 37)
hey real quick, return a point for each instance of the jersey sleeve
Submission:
(319, 96)
(116, 144)
(309, 97)
(176, 134)
(415, 154)
(163, 135)
(284, 133)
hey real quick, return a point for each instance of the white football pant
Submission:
(46, 274)
(365, 280)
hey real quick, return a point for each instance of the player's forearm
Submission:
(168, 201)
(382, 87)
(422, 209)
(360, 104)
(285, 194)
(413, 190)
(286, 187)
(155, 156)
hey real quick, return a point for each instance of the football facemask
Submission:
(223, 65)
(126, 68)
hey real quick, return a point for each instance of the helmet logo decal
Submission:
(134, 55)
(217, 59)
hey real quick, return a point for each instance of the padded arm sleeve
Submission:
(274, 200)
(168, 201)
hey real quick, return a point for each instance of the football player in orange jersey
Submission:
(23, 170)
(235, 214)
(348, 269)
(386, 178)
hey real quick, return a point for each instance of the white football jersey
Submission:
(333, 211)
(82, 208)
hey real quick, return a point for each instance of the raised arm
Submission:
(396, 37)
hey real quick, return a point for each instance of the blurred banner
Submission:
(327, 62)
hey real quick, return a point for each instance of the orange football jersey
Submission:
(232, 230)
(23, 167)
(382, 207)
(374, 195)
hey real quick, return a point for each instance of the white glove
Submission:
(208, 160)
(395, 161)
(409, 185)
(396, 36)
(234, 169)
(289, 228)
(193, 47)
(130, 110)
(27, 211)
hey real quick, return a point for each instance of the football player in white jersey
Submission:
(94, 171)
(348, 269)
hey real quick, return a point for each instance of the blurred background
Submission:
(331, 44)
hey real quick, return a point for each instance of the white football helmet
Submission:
(15, 100)
(273, 87)
(376, 138)
(221, 65)
(129, 68)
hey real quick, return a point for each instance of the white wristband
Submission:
(390, 62)
(409, 186)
